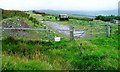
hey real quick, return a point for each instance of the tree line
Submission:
(107, 18)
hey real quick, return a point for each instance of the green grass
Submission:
(16, 63)
(98, 54)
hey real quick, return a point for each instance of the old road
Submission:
(65, 30)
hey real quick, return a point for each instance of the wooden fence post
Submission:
(49, 35)
(91, 28)
(71, 32)
(81, 49)
(0, 14)
(108, 30)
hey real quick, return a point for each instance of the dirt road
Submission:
(64, 29)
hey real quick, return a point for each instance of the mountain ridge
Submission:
(80, 13)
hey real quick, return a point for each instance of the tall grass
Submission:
(37, 55)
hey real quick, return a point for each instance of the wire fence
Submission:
(89, 32)
(27, 33)
(94, 31)
(73, 33)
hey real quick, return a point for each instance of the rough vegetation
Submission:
(12, 13)
(36, 55)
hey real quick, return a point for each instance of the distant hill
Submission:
(1, 9)
(91, 14)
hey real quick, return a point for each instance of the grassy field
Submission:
(38, 55)
(98, 54)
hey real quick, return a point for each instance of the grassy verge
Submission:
(28, 55)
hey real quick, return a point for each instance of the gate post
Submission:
(91, 30)
(71, 32)
(108, 30)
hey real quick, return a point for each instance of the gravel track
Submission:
(58, 27)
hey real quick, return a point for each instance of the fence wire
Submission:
(80, 32)
(27, 33)
(95, 31)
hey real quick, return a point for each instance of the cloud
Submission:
(59, 4)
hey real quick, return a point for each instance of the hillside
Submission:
(36, 52)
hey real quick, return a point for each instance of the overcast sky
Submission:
(59, 4)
